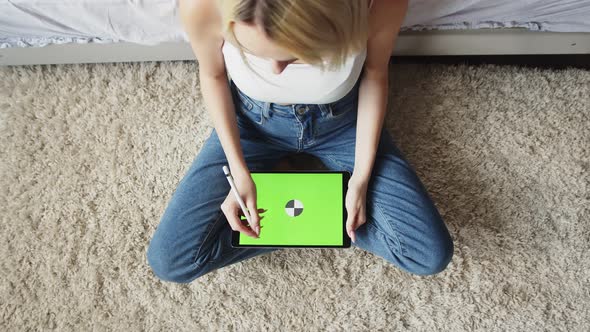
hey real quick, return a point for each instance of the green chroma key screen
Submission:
(302, 209)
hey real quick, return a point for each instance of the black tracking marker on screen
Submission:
(294, 208)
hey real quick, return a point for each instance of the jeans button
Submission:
(301, 110)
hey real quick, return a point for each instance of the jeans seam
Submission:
(225, 254)
(386, 236)
(209, 231)
(395, 229)
(335, 161)
(300, 137)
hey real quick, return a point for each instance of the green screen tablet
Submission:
(304, 209)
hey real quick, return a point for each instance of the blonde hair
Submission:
(318, 32)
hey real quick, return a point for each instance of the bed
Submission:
(69, 31)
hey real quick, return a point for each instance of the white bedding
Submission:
(26, 23)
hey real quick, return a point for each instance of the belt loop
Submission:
(266, 109)
(324, 108)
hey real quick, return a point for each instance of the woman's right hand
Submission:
(231, 207)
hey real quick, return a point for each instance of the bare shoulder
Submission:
(203, 15)
(387, 15)
(201, 20)
(385, 21)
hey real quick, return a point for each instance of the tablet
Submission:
(305, 209)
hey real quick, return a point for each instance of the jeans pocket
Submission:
(248, 108)
(341, 109)
(345, 104)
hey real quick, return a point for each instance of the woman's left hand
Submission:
(355, 205)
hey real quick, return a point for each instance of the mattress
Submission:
(26, 23)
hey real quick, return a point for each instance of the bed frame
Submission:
(412, 43)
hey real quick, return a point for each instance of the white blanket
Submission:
(40, 22)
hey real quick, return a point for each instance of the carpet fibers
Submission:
(91, 154)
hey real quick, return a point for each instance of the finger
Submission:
(236, 224)
(245, 221)
(260, 210)
(362, 216)
(362, 220)
(350, 226)
(254, 217)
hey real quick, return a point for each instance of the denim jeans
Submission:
(402, 225)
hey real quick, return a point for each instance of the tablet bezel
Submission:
(235, 235)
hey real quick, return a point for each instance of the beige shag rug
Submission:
(91, 154)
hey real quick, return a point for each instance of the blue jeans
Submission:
(403, 225)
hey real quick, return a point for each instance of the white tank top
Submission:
(299, 83)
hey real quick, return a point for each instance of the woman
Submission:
(306, 76)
